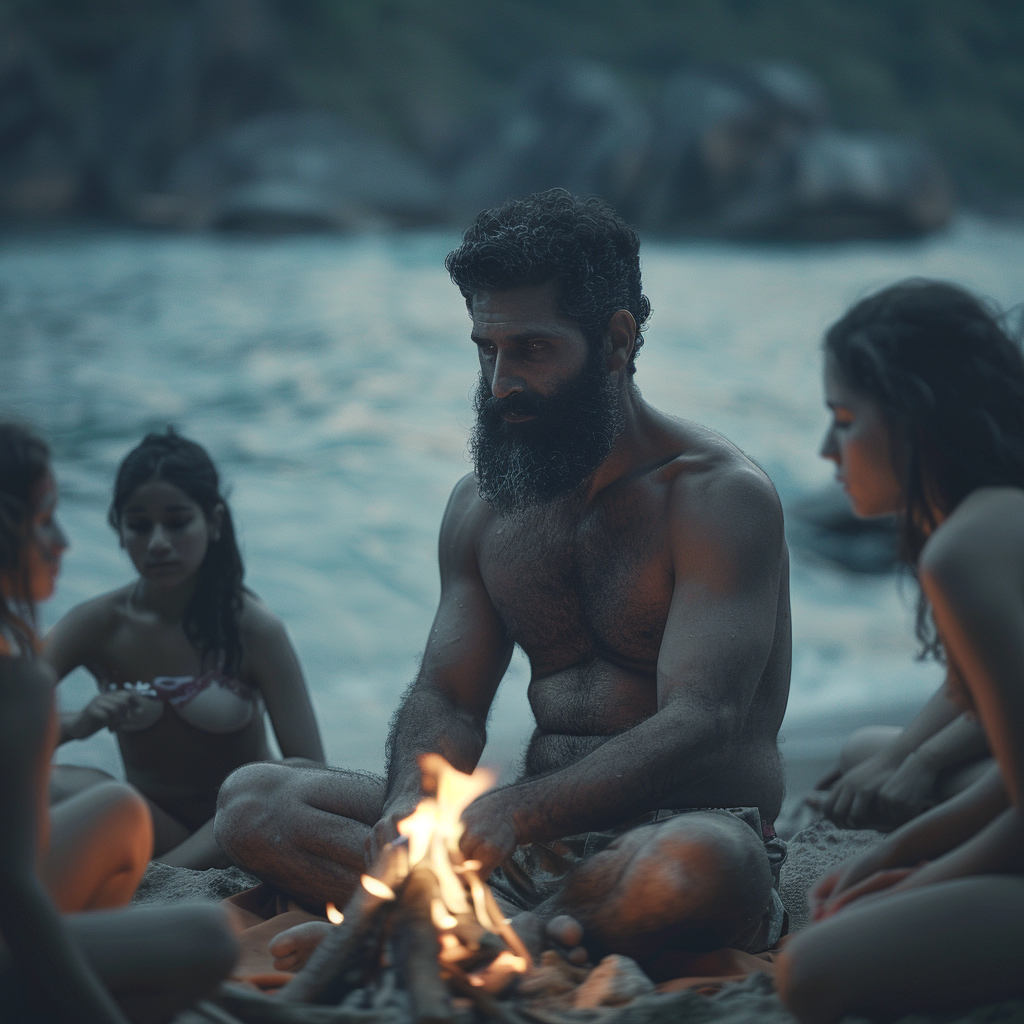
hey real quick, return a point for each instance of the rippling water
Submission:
(330, 379)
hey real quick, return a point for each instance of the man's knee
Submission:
(703, 876)
(249, 803)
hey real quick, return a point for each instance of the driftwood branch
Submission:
(337, 964)
(415, 946)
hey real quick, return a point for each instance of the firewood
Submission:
(416, 946)
(336, 965)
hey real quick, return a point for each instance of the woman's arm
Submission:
(272, 661)
(910, 776)
(934, 833)
(972, 571)
(75, 640)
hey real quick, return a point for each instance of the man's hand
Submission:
(386, 830)
(109, 710)
(490, 834)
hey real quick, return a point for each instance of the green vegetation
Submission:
(949, 71)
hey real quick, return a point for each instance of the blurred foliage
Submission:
(949, 71)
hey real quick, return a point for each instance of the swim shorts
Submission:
(535, 872)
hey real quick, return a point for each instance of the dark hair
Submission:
(24, 460)
(950, 382)
(583, 244)
(211, 619)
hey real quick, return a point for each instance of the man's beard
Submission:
(523, 465)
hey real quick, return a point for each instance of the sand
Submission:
(812, 851)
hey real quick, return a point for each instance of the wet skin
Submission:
(653, 606)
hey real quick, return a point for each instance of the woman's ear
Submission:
(216, 521)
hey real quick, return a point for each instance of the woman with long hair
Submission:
(185, 656)
(926, 391)
(90, 852)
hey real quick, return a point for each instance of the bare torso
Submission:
(585, 591)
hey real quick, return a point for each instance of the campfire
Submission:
(422, 911)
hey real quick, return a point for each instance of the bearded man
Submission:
(639, 561)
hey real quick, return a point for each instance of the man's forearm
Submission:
(428, 722)
(632, 773)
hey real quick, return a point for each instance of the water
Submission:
(330, 379)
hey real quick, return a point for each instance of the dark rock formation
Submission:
(180, 89)
(42, 170)
(823, 525)
(746, 153)
(571, 125)
(296, 171)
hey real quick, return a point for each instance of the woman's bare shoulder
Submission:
(983, 535)
(89, 624)
(257, 623)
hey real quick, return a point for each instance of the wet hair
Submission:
(24, 461)
(582, 244)
(211, 619)
(949, 379)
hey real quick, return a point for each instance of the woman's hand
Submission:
(851, 800)
(907, 792)
(887, 880)
(847, 875)
(109, 710)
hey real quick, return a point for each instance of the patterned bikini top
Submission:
(213, 702)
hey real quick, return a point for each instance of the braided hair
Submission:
(949, 380)
(212, 615)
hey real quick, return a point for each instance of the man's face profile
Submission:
(548, 409)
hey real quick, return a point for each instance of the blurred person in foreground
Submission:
(89, 853)
(926, 391)
(639, 561)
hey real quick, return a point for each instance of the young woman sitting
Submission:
(186, 658)
(926, 391)
(90, 852)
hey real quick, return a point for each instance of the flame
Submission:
(440, 916)
(334, 915)
(375, 887)
(433, 831)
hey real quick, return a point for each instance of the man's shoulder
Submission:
(465, 517)
(708, 466)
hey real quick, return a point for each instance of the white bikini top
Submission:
(212, 702)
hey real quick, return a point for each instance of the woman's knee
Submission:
(125, 814)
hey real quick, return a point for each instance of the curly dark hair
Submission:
(211, 619)
(24, 461)
(583, 244)
(949, 379)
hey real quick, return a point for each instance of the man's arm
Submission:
(467, 653)
(727, 551)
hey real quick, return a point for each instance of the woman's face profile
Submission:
(47, 540)
(858, 442)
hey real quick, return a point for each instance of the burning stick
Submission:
(416, 947)
(335, 966)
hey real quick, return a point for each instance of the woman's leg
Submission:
(157, 960)
(945, 947)
(198, 851)
(100, 842)
(71, 779)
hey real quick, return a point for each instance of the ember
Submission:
(423, 910)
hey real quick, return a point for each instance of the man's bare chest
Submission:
(569, 588)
